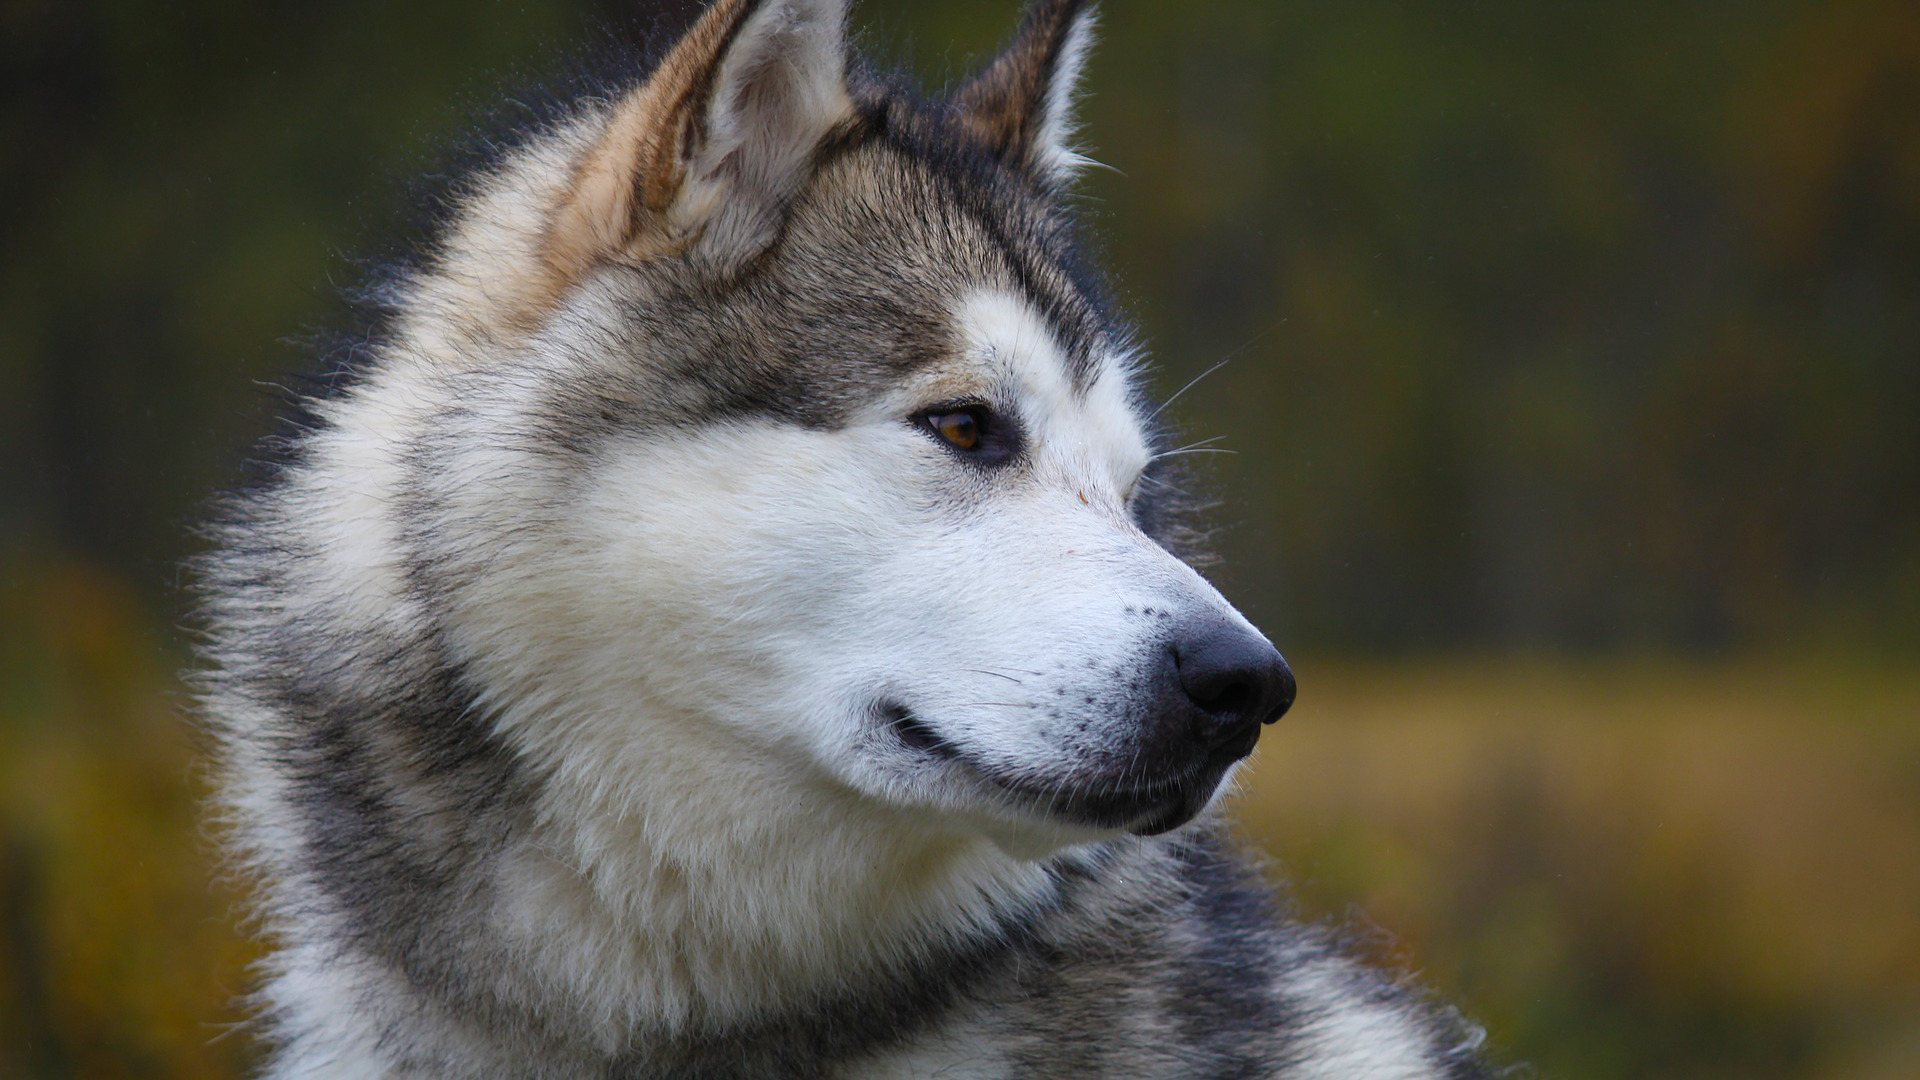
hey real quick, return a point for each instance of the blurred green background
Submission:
(1573, 384)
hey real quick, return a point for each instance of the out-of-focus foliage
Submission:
(1628, 869)
(1568, 327)
(118, 955)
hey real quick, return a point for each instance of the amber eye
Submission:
(982, 438)
(961, 430)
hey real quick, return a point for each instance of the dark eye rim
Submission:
(1001, 439)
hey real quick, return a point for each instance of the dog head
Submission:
(813, 458)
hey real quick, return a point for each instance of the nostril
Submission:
(1230, 696)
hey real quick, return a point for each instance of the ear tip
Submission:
(1067, 26)
(809, 10)
(1021, 104)
(1075, 12)
(1081, 24)
(788, 13)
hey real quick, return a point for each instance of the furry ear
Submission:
(1021, 106)
(701, 160)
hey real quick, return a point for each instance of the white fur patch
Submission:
(1353, 1038)
(350, 503)
(1054, 150)
(1099, 432)
(693, 653)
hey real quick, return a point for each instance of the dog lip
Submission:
(1239, 747)
(1145, 810)
(914, 733)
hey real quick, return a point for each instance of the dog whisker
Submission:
(1193, 450)
(1191, 383)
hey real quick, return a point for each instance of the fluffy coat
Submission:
(728, 626)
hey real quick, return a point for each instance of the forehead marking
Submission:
(1056, 309)
(1020, 348)
(1049, 286)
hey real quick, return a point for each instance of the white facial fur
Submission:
(691, 653)
(762, 589)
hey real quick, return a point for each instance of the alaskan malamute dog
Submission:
(726, 626)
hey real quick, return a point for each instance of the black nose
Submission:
(1237, 680)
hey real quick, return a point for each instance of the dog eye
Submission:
(961, 430)
(981, 437)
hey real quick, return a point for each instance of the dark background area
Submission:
(1572, 387)
(1570, 325)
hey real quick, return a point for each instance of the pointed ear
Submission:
(1021, 106)
(701, 160)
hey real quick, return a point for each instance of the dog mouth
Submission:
(1144, 809)
(914, 733)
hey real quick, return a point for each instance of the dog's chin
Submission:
(1029, 827)
(1126, 803)
(1146, 810)
(1175, 814)
(1106, 805)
